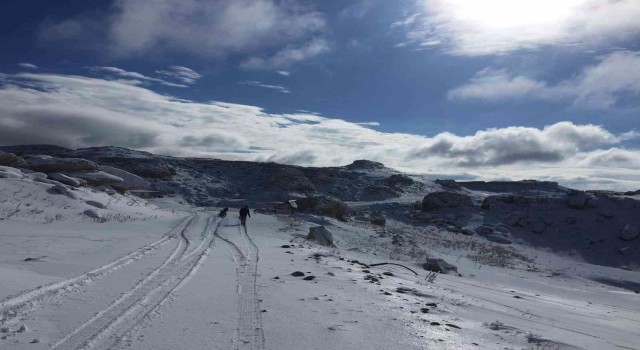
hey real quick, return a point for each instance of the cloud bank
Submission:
(77, 111)
(598, 86)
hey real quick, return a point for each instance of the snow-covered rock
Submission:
(61, 189)
(10, 173)
(321, 235)
(498, 239)
(98, 178)
(484, 230)
(629, 233)
(96, 204)
(93, 213)
(439, 265)
(49, 164)
(129, 181)
(67, 180)
(445, 199)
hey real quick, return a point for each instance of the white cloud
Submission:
(597, 86)
(28, 65)
(202, 28)
(289, 56)
(500, 26)
(182, 74)
(76, 111)
(284, 73)
(266, 86)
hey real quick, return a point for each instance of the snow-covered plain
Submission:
(160, 274)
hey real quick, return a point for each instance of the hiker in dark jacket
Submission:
(244, 212)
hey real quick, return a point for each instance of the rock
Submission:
(323, 205)
(578, 200)
(22, 329)
(67, 180)
(129, 181)
(49, 164)
(399, 180)
(35, 341)
(96, 204)
(363, 164)
(93, 213)
(629, 233)
(498, 239)
(452, 228)
(467, 232)
(10, 173)
(98, 178)
(445, 199)
(450, 184)
(377, 218)
(309, 278)
(439, 265)
(61, 189)
(11, 160)
(297, 274)
(289, 179)
(321, 235)
(502, 229)
(106, 189)
(484, 230)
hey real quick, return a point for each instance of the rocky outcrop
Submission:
(363, 164)
(445, 199)
(323, 205)
(10, 159)
(49, 164)
(578, 200)
(289, 179)
(400, 180)
(512, 186)
(321, 235)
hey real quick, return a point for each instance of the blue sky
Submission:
(469, 89)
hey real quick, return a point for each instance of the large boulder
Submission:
(629, 233)
(99, 178)
(321, 235)
(129, 180)
(440, 266)
(445, 199)
(323, 205)
(49, 164)
(10, 159)
(289, 179)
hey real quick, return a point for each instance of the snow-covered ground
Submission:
(163, 275)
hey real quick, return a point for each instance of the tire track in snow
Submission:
(29, 298)
(249, 333)
(108, 326)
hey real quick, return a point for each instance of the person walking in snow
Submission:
(244, 212)
(223, 212)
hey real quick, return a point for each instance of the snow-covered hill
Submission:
(110, 248)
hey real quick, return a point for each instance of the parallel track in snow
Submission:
(249, 334)
(29, 298)
(108, 326)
